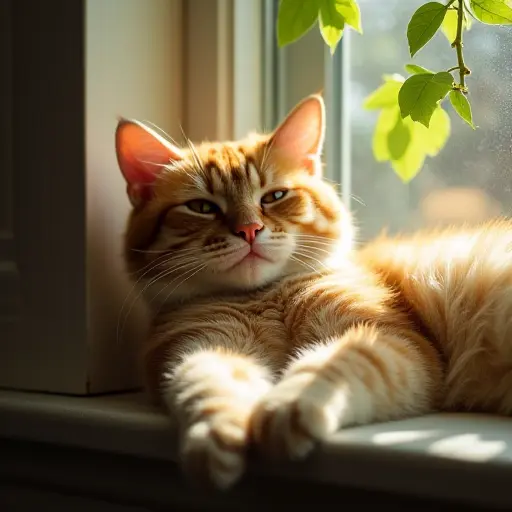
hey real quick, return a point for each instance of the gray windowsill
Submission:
(445, 456)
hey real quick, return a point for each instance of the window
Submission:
(468, 181)
(213, 68)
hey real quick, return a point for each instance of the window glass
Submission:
(470, 179)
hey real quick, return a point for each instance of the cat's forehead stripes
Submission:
(232, 169)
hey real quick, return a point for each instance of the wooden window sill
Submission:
(461, 457)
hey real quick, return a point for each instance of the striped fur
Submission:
(283, 351)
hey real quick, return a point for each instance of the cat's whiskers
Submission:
(313, 248)
(312, 243)
(299, 245)
(305, 252)
(165, 274)
(309, 235)
(358, 199)
(187, 277)
(194, 178)
(152, 265)
(195, 155)
(122, 320)
(168, 250)
(169, 271)
(162, 132)
(172, 167)
(229, 252)
(316, 242)
(303, 263)
(309, 256)
(165, 258)
(317, 238)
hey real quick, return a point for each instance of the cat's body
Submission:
(272, 331)
(458, 283)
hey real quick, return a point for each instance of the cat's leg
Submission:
(211, 388)
(366, 375)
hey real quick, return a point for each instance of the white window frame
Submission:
(228, 102)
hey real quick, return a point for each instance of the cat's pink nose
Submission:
(248, 231)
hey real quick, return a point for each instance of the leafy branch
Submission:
(412, 124)
(457, 44)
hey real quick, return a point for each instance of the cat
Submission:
(272, 328)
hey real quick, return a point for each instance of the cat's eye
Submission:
(202, 206)
(274, 196)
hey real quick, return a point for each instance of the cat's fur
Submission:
(283, 346)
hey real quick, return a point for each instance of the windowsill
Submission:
(443, 456)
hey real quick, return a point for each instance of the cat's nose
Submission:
(248, 231)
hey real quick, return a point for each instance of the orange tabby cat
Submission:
(270, 330)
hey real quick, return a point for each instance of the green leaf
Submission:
(413, 159)
(414, 69)
(492, 12)
(407, 147)
(294, 19)
(461, 105)
(332, 24)
(425, 22)
(385, 96)
(398, 138)
(349, 10)
(385, 123)
(449, 26)
(424, 142)
(435, 137)
(420, 94)
(403, 142)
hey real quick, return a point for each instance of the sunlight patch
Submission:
(468, 447)
(405, 436)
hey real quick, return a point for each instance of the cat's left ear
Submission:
(142, 153)
(299, 139)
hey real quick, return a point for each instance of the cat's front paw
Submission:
(293, 416)
(213, 451)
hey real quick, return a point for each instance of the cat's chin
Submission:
(250, 273)
(253, 271)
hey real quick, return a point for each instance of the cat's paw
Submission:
(213, 451)
(293, 416)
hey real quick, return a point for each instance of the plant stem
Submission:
(457, 44)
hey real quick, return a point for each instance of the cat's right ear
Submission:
(299, 139)
(141, 154)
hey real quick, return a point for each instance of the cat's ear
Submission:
(299, 139)
(142, 153)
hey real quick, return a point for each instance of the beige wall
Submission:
(133, 68)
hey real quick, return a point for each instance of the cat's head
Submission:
(229, 216)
